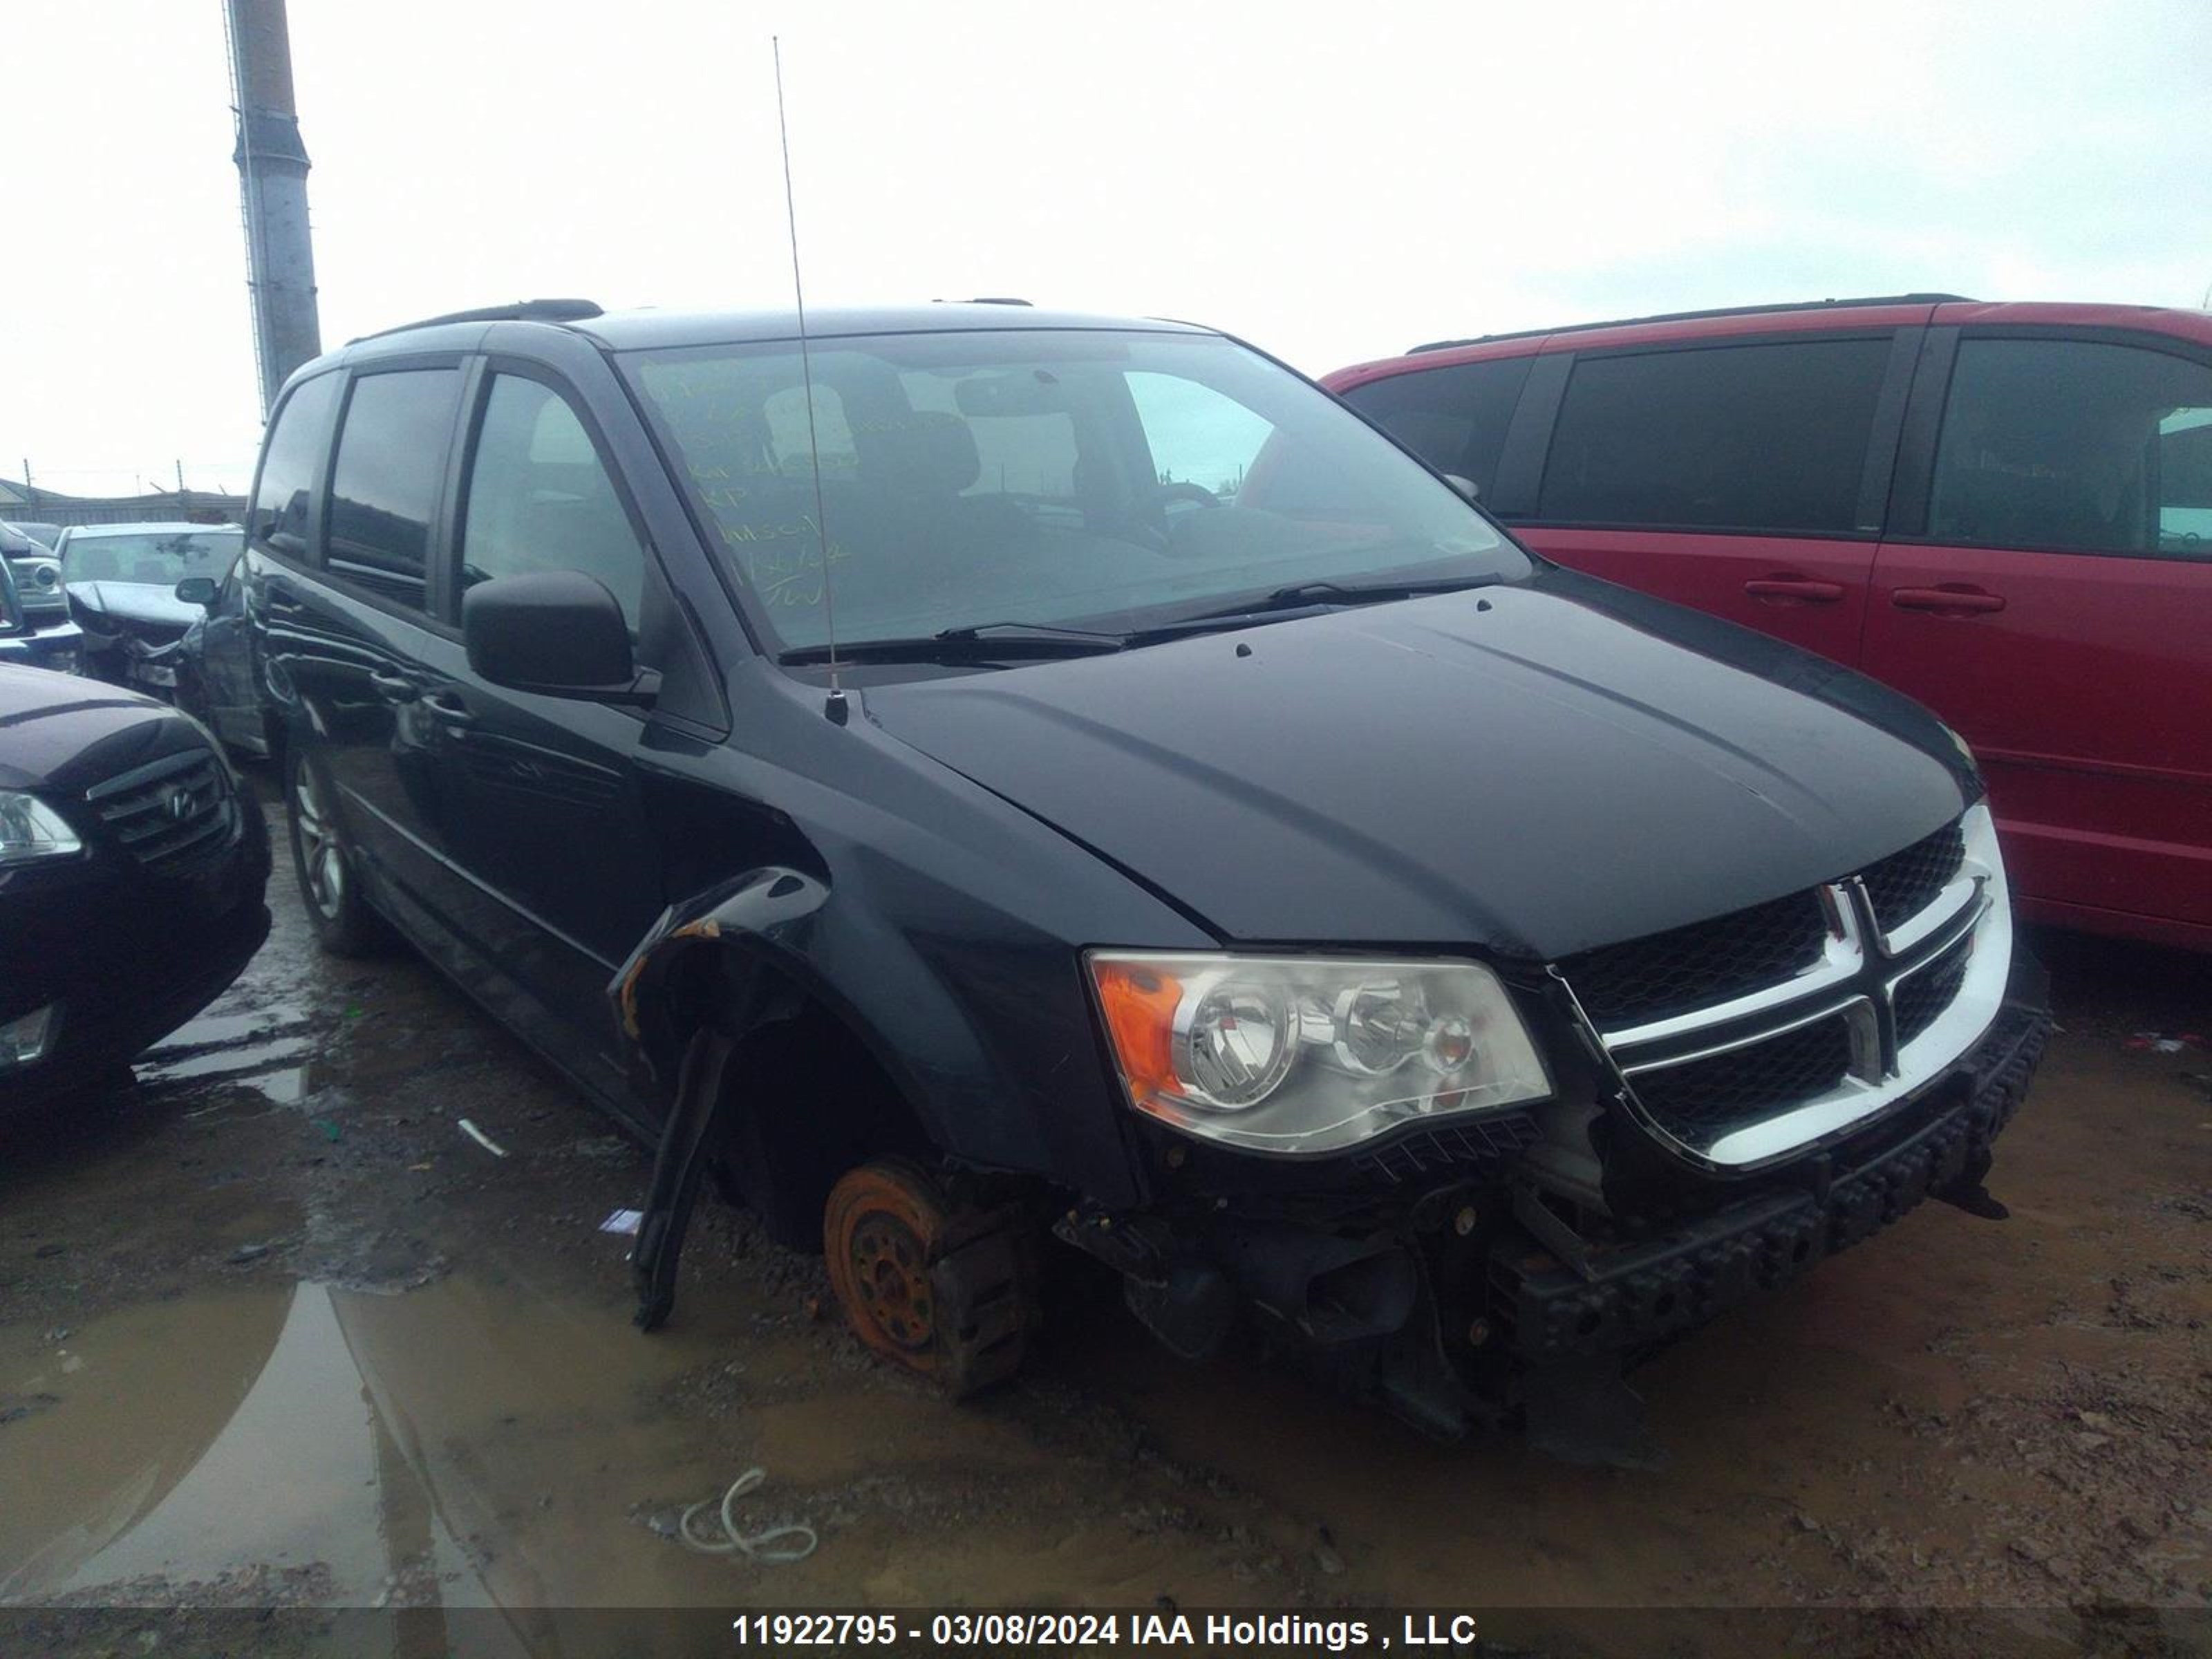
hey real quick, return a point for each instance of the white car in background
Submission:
(122, 581)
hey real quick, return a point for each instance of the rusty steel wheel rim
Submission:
(890, 1277)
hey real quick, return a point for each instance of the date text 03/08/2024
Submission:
(1286, 1631)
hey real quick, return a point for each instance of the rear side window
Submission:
(2075, 445)
(384, 488)
(1755, 437)
(290, 462)
(540, 499)
(1453, 419)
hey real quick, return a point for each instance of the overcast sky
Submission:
(1332, 182)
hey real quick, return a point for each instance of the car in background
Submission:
(45, 534)
(2004, 510)
(216, 668)
(122, 581)
(34, 630)
(132, 875)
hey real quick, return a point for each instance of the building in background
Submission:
(20, 501)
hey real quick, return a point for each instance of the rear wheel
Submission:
(343, 923)
(939, 1286)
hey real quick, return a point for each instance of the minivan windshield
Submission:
(159, 559)
(1106, 481)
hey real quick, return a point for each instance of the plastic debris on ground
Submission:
(2160, 1042)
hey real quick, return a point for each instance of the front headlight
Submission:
(31, 830)
(1302, 1055)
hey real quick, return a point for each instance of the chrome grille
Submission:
(1922, 997)
(166, 812)
(1904, 883)
(1740, 1040)
(1744, 1085)
(1705, 962)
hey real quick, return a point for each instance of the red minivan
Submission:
(2004, 510)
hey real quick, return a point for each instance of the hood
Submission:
(1533, 769)
(61, 734)
(142, 603)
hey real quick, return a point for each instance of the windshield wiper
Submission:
(981, 642)
(1328, 592)
(1309, 596)
(1000, 630)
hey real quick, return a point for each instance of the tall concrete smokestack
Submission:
(273, 182)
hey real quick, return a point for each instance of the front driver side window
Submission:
(540, 499)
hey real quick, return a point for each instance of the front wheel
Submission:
(344, 925)
(938, 1287)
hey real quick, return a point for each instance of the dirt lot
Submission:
(273, 1331)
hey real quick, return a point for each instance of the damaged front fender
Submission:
(697, 983)
(765, 910)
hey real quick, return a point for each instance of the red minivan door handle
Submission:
(1958, 600)
(1801, 590)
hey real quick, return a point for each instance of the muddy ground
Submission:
(275, 1332)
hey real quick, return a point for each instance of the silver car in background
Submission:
(122, 584)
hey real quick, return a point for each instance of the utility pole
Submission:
(273, 182)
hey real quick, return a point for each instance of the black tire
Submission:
(330, 890)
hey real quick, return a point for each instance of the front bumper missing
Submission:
(1449, 1329)
(1626, 1298)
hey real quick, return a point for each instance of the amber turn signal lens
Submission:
(1140, 1005)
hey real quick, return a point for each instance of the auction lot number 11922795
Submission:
(992, 1630)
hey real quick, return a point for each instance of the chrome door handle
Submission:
(449, 709)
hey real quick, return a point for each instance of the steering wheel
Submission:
(1198, 494)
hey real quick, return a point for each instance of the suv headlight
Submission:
(1304, 1055)
(31, 830)
(39, 582)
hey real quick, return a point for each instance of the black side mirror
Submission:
(558, 633)
(198, 590)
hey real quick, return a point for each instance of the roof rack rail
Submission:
(522, 310)
(987, 299)
(1699, 316)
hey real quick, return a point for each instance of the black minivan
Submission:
(972, 772)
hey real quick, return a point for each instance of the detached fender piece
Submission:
(685, 998)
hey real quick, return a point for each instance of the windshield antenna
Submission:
(835, 708)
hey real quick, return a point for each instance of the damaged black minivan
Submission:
(977, 773)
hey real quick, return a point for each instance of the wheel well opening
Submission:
(804, 1100)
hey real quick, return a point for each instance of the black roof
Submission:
(624, 330)
(1699, 316)
(521, 311)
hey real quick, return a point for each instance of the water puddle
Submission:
(469, 1444)
(273, 1053)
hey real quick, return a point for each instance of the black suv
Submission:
(977, 772)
